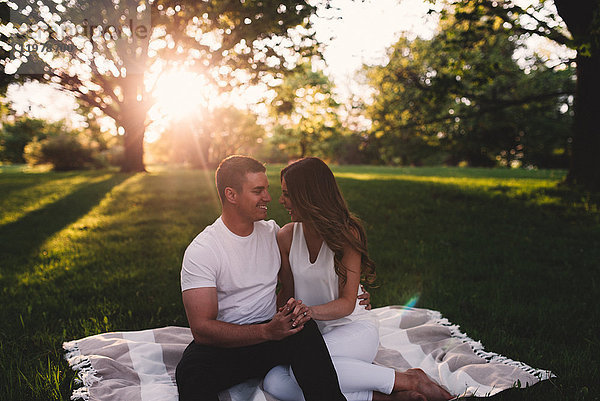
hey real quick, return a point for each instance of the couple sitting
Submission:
(243, 330)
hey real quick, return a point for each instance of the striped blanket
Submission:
(140, 365)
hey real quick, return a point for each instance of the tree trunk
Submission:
(133, 143)
(133, 114)
(585, 159)
(583, 20)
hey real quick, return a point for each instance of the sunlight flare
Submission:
(182, 93)
(412, 301)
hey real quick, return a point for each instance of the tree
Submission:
(117, 50)
(582, 19)
(463, 95)
(305, 112)
(209, 137)
(403, 104)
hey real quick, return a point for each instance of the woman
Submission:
(324, 256)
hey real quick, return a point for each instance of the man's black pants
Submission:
(205, 370)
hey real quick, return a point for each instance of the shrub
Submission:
(15, 136)
(64, 152)
(32, 153)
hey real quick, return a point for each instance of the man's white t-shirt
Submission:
(243, 270)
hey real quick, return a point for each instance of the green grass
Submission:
(509, 255)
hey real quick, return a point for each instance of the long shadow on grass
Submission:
(14, 182)
(24, 236)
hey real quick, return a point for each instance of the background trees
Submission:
(470, 94)
(117, 51)
(305, 113)
(14, 137)
(582, 20)
(37, 141)
(463, 97)
(209, 137)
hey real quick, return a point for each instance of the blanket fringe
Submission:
(492, 357)
(86, 374)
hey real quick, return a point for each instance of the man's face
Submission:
(254, 197)
(287, 202)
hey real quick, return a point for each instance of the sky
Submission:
(367, 28)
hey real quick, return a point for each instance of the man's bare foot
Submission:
(417, 380)
(408, 395)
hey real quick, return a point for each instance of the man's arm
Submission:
(201, 307)
(365, 298)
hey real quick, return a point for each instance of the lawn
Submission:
(509, 255)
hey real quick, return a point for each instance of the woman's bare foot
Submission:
(417, 380)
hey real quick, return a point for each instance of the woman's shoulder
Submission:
(266, 226)
(286, 231)
(285, 235)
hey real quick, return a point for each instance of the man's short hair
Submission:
(232, 173)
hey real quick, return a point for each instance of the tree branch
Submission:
(502, 104)
(551, 33)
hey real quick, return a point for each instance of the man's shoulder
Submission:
(206, 238)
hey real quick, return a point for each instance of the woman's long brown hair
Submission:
(316, 196)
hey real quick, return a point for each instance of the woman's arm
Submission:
(286, 278)
(344, 305)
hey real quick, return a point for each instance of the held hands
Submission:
(365, 298)
(288, 320)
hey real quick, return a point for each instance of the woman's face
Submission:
(285, 200)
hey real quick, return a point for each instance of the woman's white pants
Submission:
(352, 347)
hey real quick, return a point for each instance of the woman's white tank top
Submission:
(316, 283)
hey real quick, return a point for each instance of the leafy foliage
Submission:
(16, 135)
(37, 141)
(305, 113)
(113, 67)
(207, 139)
(577, 25)
(64, 151)
(462, 96)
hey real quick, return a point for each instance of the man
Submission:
(228, 280)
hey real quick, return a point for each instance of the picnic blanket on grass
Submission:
(140, 365)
